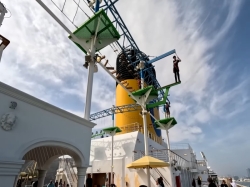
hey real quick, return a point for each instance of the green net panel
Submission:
(111, 129)
(165, 122)
(100, 24)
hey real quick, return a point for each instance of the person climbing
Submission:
(176, 68)
(139, 82)
(167, 109)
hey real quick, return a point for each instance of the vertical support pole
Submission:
(113, 118)
(81, 172)
(97, 5)
(169, 156)
(89, 90)
(112, 157)
(144, 113)
(112, 152)
(144, 117)
(41, 177)
(90, 80)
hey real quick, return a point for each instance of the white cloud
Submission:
(202, 116)
(232, 100)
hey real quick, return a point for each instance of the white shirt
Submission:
(233, 184)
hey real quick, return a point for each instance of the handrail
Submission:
(75, 174)
(180, 160)
(72, 171)
(68, 169)
(71, 175)
(164, 179)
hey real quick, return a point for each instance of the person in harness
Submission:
(176, 68)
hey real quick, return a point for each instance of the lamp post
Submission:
(141, 66)
(112, 131)
(170, 123)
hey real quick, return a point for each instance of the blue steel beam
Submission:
(127, 38)
(127, 42)
(115, 110)
(161, 56)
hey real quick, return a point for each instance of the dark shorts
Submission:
(176, 70)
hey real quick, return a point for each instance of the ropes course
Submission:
(125, 47)
(106, 28)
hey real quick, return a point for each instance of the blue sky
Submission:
(211, 37)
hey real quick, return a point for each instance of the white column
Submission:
(81, 173)
(170, 161)
(112, 155)
(112, 159)
(41, 177)
(144, 113)
(89, 90)
(9, 170)
(145, 126)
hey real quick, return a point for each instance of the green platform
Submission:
(95, 135)
(111, 129)
(163, 101)
(106, 32)
(168, 86)
(165, 122)
(141, 92)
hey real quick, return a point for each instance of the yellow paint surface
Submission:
(127, 180)
(118, 181)
(132, 121)
(137, 183)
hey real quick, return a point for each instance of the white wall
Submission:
(38, 124)
(122, 157)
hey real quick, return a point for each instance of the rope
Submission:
(62, 11)
(76, 10)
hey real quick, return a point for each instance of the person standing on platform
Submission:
(167, 109)
(176, 68)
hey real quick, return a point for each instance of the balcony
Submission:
(202, 165)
